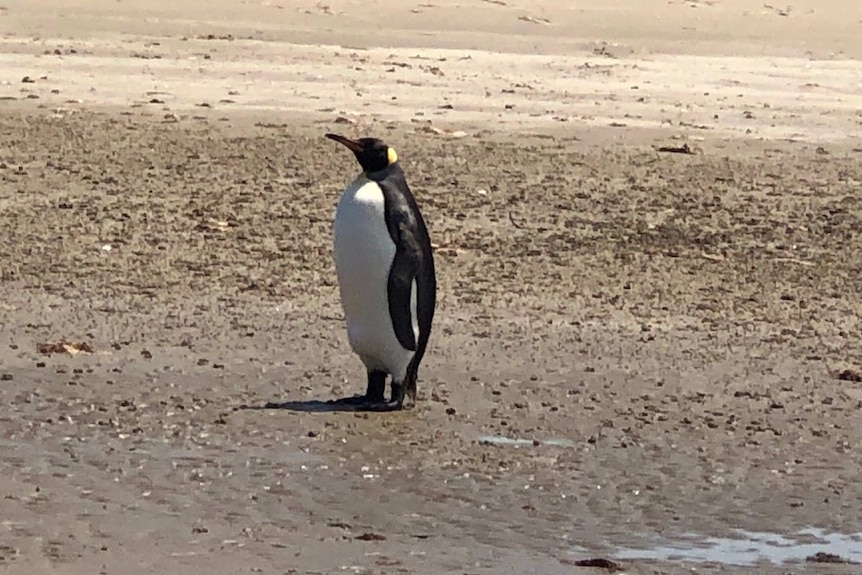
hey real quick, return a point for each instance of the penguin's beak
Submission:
(354, 147)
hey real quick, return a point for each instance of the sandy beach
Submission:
(647, 349)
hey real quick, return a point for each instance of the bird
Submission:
(384, 264)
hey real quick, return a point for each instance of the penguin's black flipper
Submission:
(403, 273)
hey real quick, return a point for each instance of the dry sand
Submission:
(673, 340)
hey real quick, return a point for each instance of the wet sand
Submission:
(669, 341)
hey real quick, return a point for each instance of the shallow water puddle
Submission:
(749, 548)
(500, 440)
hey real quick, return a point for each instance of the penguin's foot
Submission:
(373, 393)
(354, 400)
(373, 398)
(394, 404)
(381, 406)
(364, 403)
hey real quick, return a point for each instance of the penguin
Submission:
(384, 263)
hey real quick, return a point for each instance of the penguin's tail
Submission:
(410, 386)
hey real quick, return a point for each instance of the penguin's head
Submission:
(372, 154)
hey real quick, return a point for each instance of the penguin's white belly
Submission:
(363, 256)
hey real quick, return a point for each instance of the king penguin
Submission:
(386, 278)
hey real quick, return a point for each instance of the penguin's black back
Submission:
(400, 208)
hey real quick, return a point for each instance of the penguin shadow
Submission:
(307, 406)
(320, 406)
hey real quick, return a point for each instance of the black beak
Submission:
(354, 147)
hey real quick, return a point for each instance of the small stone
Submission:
(371, 537)
(850, 375)
(823, 557)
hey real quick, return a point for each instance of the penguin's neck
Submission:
(364, 191)
(358, 182)
(386, 172)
